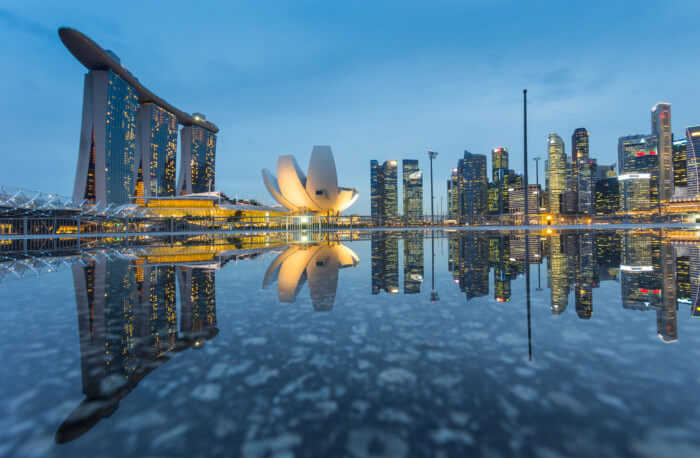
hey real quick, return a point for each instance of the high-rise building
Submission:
(499, 163)
(586, 186)
(579, 155)
(516, 199)
(198, 159)
(692, 136)
(472, 186)
(607, 196)
(156, 149)
(680, 166)
(453, 193)
(412, 191)
(638, 154)
(384, 186)
(557, 173)
(117, 136)
(661, 129)
(107, 155)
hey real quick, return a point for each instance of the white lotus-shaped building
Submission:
(318, 192)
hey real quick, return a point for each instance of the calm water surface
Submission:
(350, 346)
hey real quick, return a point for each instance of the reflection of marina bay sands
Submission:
(129, 321)
(656, 270)
(315, 263)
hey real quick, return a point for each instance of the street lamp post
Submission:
(432, 155)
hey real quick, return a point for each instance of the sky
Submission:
(374, 79)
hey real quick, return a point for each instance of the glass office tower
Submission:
(638, 154)
(680, 164)
(661, 129)
(412, 262)
(412, 191)
(198, 159)
(157, 149)
(384, 191)
(499, 163)
(692, 136)
(556, 173)
(579, 156)
(473, 183)
(106, 170)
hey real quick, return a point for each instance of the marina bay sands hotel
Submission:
(129, 135)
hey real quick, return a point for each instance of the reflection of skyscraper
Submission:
(385, 262)
(198, 301)
(666, 318)
(499, 253)
(470, 264)
(412, 262)
(584, 275)
(157, 310)
(640, 271)
(558, 272)
(412, 191)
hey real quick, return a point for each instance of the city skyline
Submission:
(328, 108)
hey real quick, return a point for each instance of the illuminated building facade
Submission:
(579, 156)
(556, 173)
(680, 164)
(453, 193)
(607, 196)
(472, 186)
(661, 129)
(156, 150)
(499, 163)
(692, 136)
(558, 272)
(584, 275)
(638, 154)
(634, 192)
(412, 191)
(470, 266)
(107, 154)
(412, 262)
(198, 160)
(516, 199)
(117, 135)
(586, 186)
(384, 190)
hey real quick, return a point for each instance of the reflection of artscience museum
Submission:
(317, 264)
(318, 192)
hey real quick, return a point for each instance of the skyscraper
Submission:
(499, 163)
(586, 186)
(383, 186)
(692, 135)
(117, 135)
(557, 172)
(472, 186)
(453, 193)
(680, 166)
(579, 155)
(156, 149)
(412, 191)
(638, 154)
(107, 154)
(198, 159)
(661, 129)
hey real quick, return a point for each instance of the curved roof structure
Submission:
(93, 57)
(317, 192)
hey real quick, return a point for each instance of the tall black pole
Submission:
(527, 221)
(431, 154)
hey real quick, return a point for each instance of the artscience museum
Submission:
(316, 192)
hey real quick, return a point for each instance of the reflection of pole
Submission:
(431, 154)
(433, 294)
(527, 290)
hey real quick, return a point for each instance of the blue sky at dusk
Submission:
(373, 79)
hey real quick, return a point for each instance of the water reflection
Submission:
(128, 320)
(657, 270)
(317, 263)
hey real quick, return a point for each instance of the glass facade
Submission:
(607, 196)
(680, 164)
(412, 262)
(120, 148)
(385, 262)
(557, 172)
(203, 159)
(692, 136)
(638, 154)
(159, 151)
(635, 195)
(579, 155)
(473, 186)
(661, 129)
(384, 184)
(412, 191)
(499, 163)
